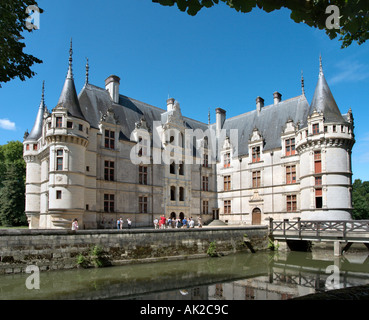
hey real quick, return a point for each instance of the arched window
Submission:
(181, 194)
(173, 193)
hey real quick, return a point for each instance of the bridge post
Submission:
(337, 248)
(271, 225)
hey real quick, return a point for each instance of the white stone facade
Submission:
(280, 164)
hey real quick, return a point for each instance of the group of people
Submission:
(164, 223)
(120, 223)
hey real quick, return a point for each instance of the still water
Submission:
(242, 276)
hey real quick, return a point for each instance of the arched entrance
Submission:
(181, 216)
(256, 216)
(173, 215)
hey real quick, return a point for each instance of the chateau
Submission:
(100, 156)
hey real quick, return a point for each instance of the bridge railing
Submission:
(318, 227)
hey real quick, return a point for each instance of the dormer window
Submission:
(69, 124)
(290, 147)
(255, 154)
(227, 160)
(315, 128)
(58, 122)
(109, 139)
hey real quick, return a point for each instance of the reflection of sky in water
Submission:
(243, 276)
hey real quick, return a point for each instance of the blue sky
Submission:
(219, 58)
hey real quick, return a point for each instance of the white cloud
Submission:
(350, 71)
(7, 124)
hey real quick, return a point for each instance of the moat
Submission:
(264, 275)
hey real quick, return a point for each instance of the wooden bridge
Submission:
(341, 232)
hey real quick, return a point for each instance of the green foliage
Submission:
(360, 199)
(82, 261)
(212, 251)
(353, 22)
(14, 63)
(12, 184)
(95, 258)
(271, 245)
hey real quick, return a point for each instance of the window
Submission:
(227, 160)
(205, 207)
(205, 161)
(318, 199)
(87, 207)
(69, 124)
(142, 174)
(290, 147)
(59, 160)
(227, 183)
(58, 194)
(316, 128)
(58, 122)
(256, 179)
(143, 149)
(109, 139)
(80, 127)
(49, 125)
(291, 203)
(290, 174)
(172, 168)
(142, 204)
(317, 162)
(227, 206)
(205, 183)
(109, 202)
(325, 129)
(181, 169)
(172, 193)
(27, 147)
(87, 168)
(334, 128)
(109, 170)
(35, 147)
(255, 154)
(318, 180)
(181, 194)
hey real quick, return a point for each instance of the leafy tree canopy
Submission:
(353, 22)
(360, 199)
(14, 62)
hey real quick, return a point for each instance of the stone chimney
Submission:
(277, 97)
(259, 104)
(112, 85)
(220, 116)
(170, 104)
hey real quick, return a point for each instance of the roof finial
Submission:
(70, 72)
(302, 83)
(87, 69)
(209, 116)
(43, 92)
(320, 65)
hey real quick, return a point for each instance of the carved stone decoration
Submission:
(142, 124)
(109, 117)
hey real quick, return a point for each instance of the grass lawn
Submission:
(21, 227)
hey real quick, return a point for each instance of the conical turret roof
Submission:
(37, 127)
(324, 102)
(68, 97)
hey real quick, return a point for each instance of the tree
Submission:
(12, 199)
(12, 184)
(352, 16)
(360, 199)
(13, 61)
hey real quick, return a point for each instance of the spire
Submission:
(68, 98)
(209, 116)
(37, 127)
(302, 83)
(87, 69)
(323, 100)
(70, 71)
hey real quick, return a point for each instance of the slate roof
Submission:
(324, 102)
(95, 101)
(270, 122)
(36, 131)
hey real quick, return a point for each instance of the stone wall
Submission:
(58, 249)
